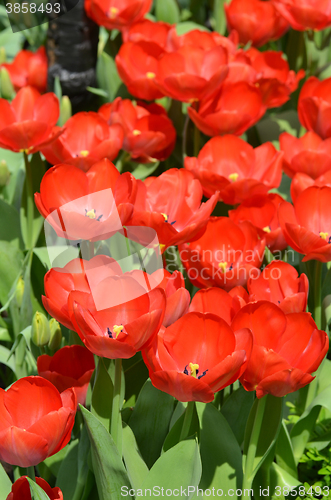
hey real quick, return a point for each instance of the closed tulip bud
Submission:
(19, 291)
(65, 110)
(7, 89)
(4, 173)
(41, 332)
(56, 334)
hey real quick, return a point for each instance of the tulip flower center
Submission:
(113, 11)
(136, 132)
(233, 177)
(92, 214)
(166, 219)
(117, 329)
(267, 229)
(150, 75)
(192, 369)
(222, 266)
(84, 153)
(325, 236)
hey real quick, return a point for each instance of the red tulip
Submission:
(205, 40)
(117, 14)
(226, 255)
(301, 182)
(273, 76)
(87, 138)
(28, 122)
(262, 212)
(92, 205)
(240, 294)
(279, 283)
(256, 21)
(171, 204)
(80, 275)
(151, 32)
(28, 68)
(305, 14)
(36, 421)
(178, 298)
(314, 106)
(148, 132)
(197, 356)
(71, 366)
(308, 154)
(235, 108)
(21, 490)
(209, 300)
(127, 319)
(229, 165)
(307, 225)
(287, 349)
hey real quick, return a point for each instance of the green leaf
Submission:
(4, 358)
(5, 484)
(54, 462)
(142, 171)
(108, 467)
(182, 28)
(10, 265)
(43, 256)
(107, 75)
(68, 471)
(167, 11)
(219, 16)
(136, 374)
(101, 406)
(10, 224)
(237, 419)
(37, 493)
(178, 468)
(135, 465)
(220, 453)
(150, 421)
(4, 335)
(174, 435)
(99, 92)
(280, 477)
(284, 452)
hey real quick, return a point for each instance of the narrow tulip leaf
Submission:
(174, 435)
(136, 374)
(135, 465)
(178, 468)
(10, 267)
(284, 452)
(167, 11)
(54, 462)
(107, 76)
(237, 419)
(219, 16)
(10, 225)
(142, 170)
(150, 421)
(68, 472)
(185, 27)
(37, 493)
(101, 406)
(220, 453)
(5, 484)
(6, 359)
(279, 477)
(108, 468)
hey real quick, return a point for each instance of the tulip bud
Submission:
(40, 330)
(4, 173)
(19, 291)
(65, 110)
(7, 89)
(56, 334)
(3, 57)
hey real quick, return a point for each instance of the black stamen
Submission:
(203, 374)
(185, 370)
(98, 218)
(231, 267)
(173, 222)
(110, 333)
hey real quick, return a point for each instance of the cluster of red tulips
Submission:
(229, 311)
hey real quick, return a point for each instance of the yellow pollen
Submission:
(222, 266)
(84, 153)
(324, 236)
(233, 177)
(150, 75)
(194, 367)
(136, 132)
(165, 217)
(91, 214)
(117, 329)
(267, 229)
(113, 11)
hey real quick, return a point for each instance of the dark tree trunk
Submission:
(72, 43)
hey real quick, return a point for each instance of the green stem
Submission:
(29, 201)
(197, 137)
(116, 403)
(251, 452)
(318, 294)
(184, 142)
(187, 420)
(31, 473)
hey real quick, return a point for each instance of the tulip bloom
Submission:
(117, 14)
(226, 255)
(314, 106)
(122, 325)
(171, 204)
(71, 366)
(287, 349)
(92, 205)
(307, 225)
(209, 300)
(235, 108)
(87, 138)
(230, 165)
(308, 154)
(28, 122)
(305, 14)
(262, 212)
(301, 182)
(28, 68)
(197, 356)
(36, 421)
(21, 490)
(149, 134)
(178, 298)
(147, 31)
(280, 283)
(255, 21)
